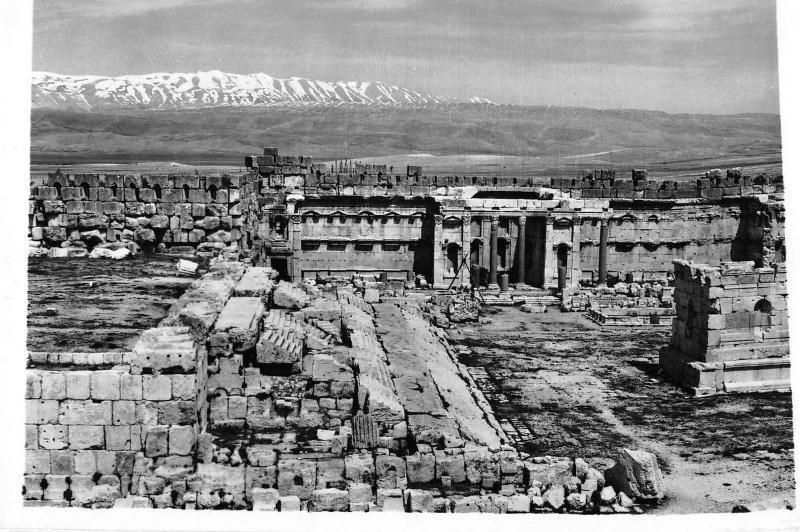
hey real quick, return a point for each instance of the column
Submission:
(521, 249)
(438, 254)
(466, 242)
(295, 231)
(575, 278)
(493, 253)
(601, 270)
(550, 278)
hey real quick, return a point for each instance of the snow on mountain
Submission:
(214, 88)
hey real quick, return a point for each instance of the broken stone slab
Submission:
(555, 497)
(279, 342)
(290, 297)
(239, 320)
(637, 474)
(419, 501)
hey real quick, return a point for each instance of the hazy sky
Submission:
(715, 56)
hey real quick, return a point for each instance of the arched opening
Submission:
(58, 189)
(157, 190)
(212, 191)
(114, 190)
(186, 192)
(763, 313)
(85, 187)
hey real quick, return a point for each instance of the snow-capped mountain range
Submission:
(215, 88)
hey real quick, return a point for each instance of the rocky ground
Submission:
(561, 385)
(97, 304)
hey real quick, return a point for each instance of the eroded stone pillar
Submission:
(521, 249)
(493, 252)
(601, 269)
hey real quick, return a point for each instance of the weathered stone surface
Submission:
(519, 504)
(421, 468)
(554, 497)
(419, 500)
(265, 499)
(288, 296)
(329, 500)
(637, 474)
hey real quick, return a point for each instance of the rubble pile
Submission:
(621, 295)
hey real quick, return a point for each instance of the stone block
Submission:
(37, 462)
(450, 465)
(33, 384)
(53, 385)
(390, 472)
(62, 462)
(53, 437)
(156, 439)
(183, 387)
(419, 501)
(297, 477)
(123, 412)
(360, 468)
(265, 499)
(637, 474)
(181, 439)
(469, 504)
(290, 503)
(85, 463)
(519, 504)
(329, 500)
(156, 387)
(118, 438)
(78, 384)
(31, 436)
(261, 455)
(86, 437)
(85, 413)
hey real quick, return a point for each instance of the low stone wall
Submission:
(731, 328)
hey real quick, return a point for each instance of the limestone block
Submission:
(105, 385)
(289, 297)
(256, 282)
(290, 503)
(37, 461)
(165, 347)
(450, 465)
(608, 495)
(156, 387)
(371, 295)
(329, 500)
(181, 439)
(519, 504)
(53, 385)
(391, 472)
(33, 384)
(279, 342)
(637, 474)
(265, 499)
(118, 438)
(85, 463)
(330, 473)
(156, 439)
(421, 468)
(78, 384)
(62, 462)
(53, 437)
(360, 468)
(554, 497)
(183, 387)
(419, 501)
(470, 504)
(31, 436)
(390, 500)
(86, 437)
(260, 477)
(175, 412)
(359, 493)
(85, 413)
(296, 477)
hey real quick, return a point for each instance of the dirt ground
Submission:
(564, 386)
(97, 304)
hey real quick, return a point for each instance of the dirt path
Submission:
(561, 385)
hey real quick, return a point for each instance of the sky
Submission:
(678, 56)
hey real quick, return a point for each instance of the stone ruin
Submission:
(257, 393)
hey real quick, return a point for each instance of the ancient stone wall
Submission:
(731, 329)
(86, 210)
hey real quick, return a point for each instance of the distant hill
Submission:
(558, 136)
(214, 117)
